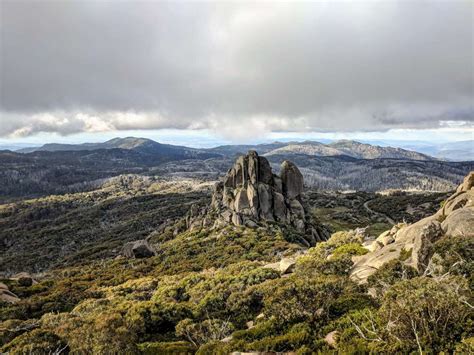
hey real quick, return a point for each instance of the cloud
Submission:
(236, 69)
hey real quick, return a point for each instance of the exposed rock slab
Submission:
(455, 218)
(460, 223)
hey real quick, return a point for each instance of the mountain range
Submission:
(343, 147)
(366, 149)
(342, 165)
(142, 145)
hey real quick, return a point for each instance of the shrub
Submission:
(175, 347)
(294, 299)
(350, 249)
(390, 273)
(466, 346)
(426, 314)
(338, 239)
(456, 256)
(97, 332)
(14, 327)
(37, 341)
(310, 265)
(205, 331)
(297, 337)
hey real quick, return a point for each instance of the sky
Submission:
(205, 73)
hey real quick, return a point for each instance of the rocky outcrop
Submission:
(138, 249)
(250, 194)
(455, 218)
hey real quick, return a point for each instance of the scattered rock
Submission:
(287, 265)
(372, 292)
(331, 338)
(138, 249)
(227, 339)
(273, 266)
(319, 312)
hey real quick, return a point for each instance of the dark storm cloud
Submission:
(331, 66)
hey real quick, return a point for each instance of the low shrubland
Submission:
(211, 293)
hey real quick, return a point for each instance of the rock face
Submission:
(137, 249)
(455, 218)
(250, 194)
(291, 179)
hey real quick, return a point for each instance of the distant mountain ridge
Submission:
(367, 151)
(349, 148)
(454, 151)
(343, 165)
(141, 145)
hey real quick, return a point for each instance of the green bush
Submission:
(456, 256)
(426, 314)
(390, 273)
(310, 265)
(175, 347)
(296, 338)
(204, 332)
(350, 249)
(294, 299)
(37, 341)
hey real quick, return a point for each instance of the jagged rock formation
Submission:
(250, 194)
(455, 218)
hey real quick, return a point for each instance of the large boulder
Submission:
(6, 295)
(422, 250)
(467, 184)
(292, 180)
(459, 223)
(457, 201)
(138, 249)
(287, 265)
